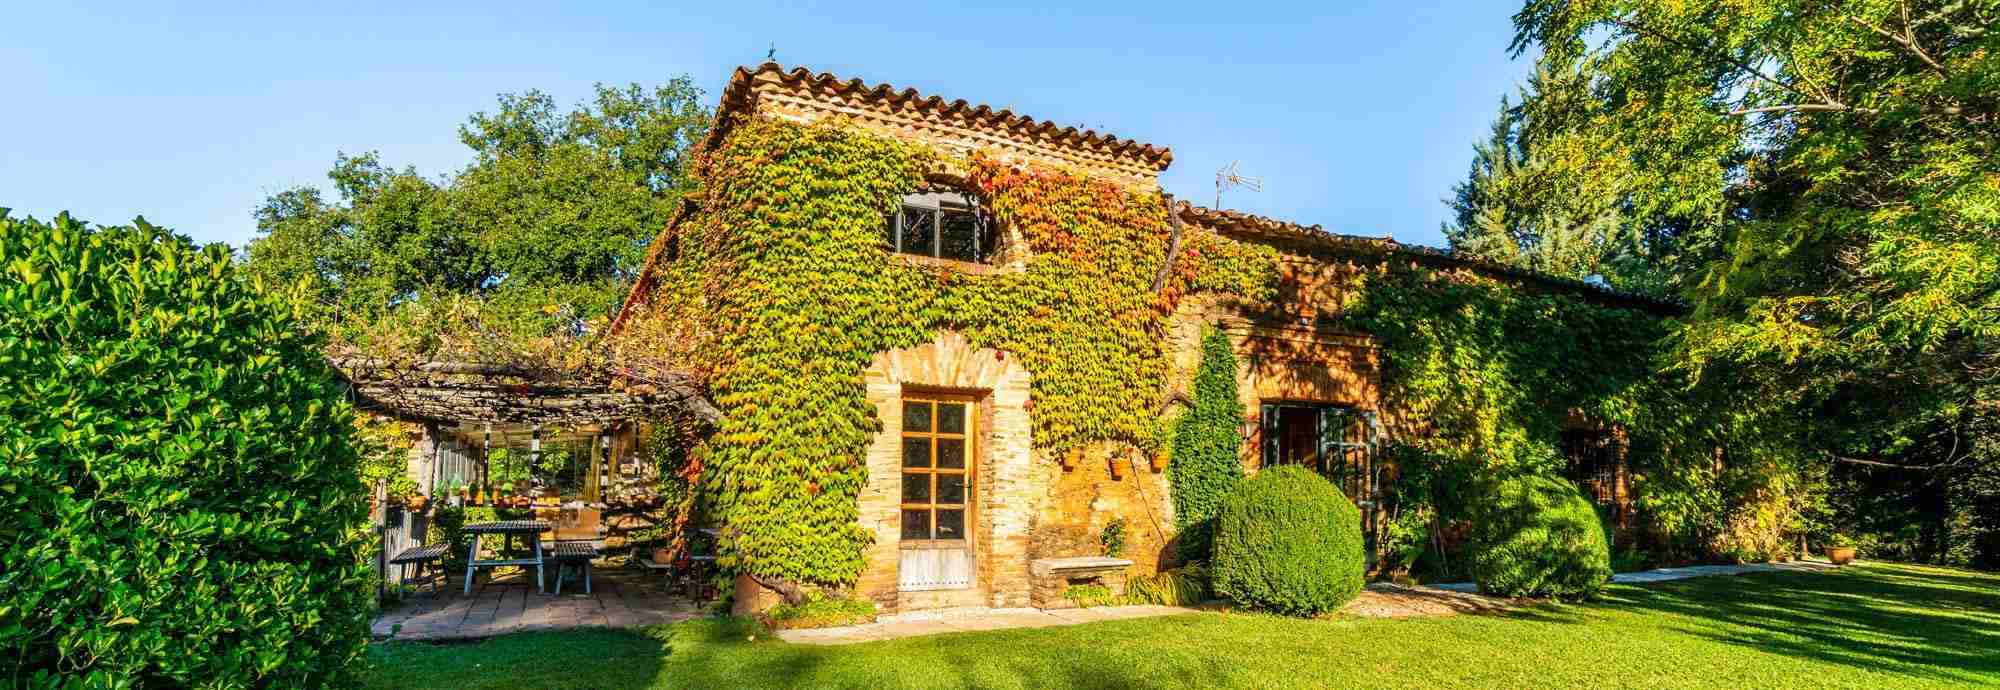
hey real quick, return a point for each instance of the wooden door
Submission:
(938, 489)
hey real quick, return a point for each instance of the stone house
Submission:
(992, 502)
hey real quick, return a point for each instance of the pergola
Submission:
(471, 408)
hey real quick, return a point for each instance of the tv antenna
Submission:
(1228, 178)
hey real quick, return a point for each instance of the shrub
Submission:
(1204, 468)
(1112, 537)
(1183, 586)
(820, 610)
(1536, 535)
(179, 502)
(1287, 540)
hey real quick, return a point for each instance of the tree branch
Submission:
(1804, 107)
(1908, 40)
(1878, 463)
(1173, 244)
(1738, 64)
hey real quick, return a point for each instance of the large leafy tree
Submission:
(1542, 195)
(539, 234)
(1838, 164)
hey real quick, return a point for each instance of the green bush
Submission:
(1183, 586)
(820, 611)
(1536, 535)
(1204, 467)
(179, 494)
(1286, 540)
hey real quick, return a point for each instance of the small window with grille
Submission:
(1593, 456)
(942, 225)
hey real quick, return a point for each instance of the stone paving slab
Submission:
(932, 623)
(1683, 573)
(1378, 600)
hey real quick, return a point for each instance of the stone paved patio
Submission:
(510, 603)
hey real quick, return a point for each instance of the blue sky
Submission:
(1358, 115)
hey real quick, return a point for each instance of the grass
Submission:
(1870, 626)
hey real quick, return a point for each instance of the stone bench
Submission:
(1050, 577)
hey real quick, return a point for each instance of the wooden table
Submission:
(507, 529)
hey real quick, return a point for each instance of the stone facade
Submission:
(1019, 493)
(1028, 505)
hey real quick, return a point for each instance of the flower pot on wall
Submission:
(416, 502)
(1840, 555)
(662, 555)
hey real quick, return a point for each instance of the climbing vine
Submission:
(780, 290)
(1480, 377)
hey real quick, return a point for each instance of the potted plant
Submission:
(416, 502)
(1840, 549)
(457, 491)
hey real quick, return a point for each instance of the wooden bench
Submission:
(572, 552)
(427, 556)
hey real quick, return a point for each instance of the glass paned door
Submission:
(937, 492)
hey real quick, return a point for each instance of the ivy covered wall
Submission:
(779, 290)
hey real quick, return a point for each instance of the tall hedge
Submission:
(178, 495)
(1204, 466)
(1287, 541)
(1537, 535)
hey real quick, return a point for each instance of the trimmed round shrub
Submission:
(1286, 540)
(179, 501)
(1537, 535)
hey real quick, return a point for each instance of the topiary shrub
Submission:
(1536, 535)
(1204, 467)
(179, 494)
(1286, 540)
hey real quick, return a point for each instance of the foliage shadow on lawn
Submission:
(1895, 619)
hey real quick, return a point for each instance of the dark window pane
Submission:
(958, 228)
(951, 418)
(916, 452)
(951, 453)
(916, 416)
(951, 488)
(950, 523)
(918, 228)
(889, 231)
(916, 524)
(916, 488)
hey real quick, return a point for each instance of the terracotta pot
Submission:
(1160, 461)
(663, 555)
(416, 502)
(1840, 555)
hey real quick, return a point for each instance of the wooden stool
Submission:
(421, 557)
(568, 552)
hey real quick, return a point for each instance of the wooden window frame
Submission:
(983, 233)
(970, 471)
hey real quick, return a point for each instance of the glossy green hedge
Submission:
(1287, 541)
(1207, 440)
(178, 503)
(1536, 535)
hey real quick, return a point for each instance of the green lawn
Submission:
(1871, 626)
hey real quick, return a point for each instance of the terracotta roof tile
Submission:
(1252, 225)
(736, 97)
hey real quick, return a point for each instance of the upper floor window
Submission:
(942, 225)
